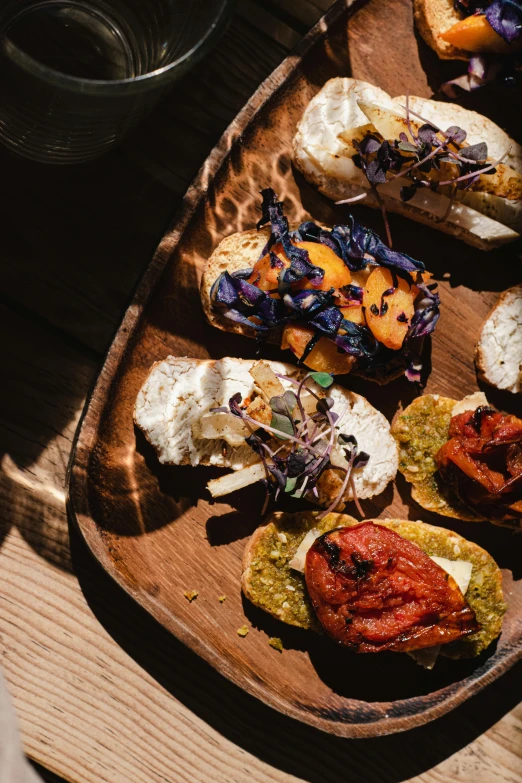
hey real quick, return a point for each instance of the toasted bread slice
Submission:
(421, 430)
(179, 391)
(242, 250)
(433, 17)
(482, 219)
(499, 349)
(270, 583)
(235, 252)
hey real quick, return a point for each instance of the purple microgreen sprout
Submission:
(382, 161)
(296, 466)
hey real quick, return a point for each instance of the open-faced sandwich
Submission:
(459, 29)
(296, 432)
(377, 585)
(499, 349)
(464, 459)
(339, 299)
(434, 162)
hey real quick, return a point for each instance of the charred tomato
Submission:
(373, 590)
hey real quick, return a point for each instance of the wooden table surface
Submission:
(101, 691)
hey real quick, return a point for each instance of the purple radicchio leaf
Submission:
(327, 321)
(300, 264)
(308, 303)
(352, 293)
(271, 311)
(239, 318)
(470, 7)
(482, 69)
(275, 261)
(236, 292)
(505, 17)
(242, 274)
(413, 367)
(427, 313)
(358, 340)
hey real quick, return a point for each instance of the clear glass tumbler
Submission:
(76, 75)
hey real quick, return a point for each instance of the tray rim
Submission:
(77, 477)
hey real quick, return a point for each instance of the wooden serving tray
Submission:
(154, 528)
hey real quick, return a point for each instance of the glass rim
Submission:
(84, 85)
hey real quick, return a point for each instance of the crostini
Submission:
(296, 432)
(437, 163)
(378, 585)
(498, 355)
(463, 459)
(339, 299)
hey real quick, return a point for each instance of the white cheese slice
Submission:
(426, 657)
(470, 403)
(460, 570)
(299, 559)
(221, 426)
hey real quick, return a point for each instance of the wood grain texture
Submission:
(141, 519)
(53, 313)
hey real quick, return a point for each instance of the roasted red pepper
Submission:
(373, 590)
(482, 463)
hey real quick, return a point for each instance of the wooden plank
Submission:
(304, 13)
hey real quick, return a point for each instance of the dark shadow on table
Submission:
(282, 742)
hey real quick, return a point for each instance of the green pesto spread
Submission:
(272, 585)
(420, 432)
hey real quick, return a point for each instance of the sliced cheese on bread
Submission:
(499, 349)
(323, 152)
(179, 392)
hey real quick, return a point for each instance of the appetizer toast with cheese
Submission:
(339, 299)
(464, 460)
(437, 163)
(268, 421)
(349, 578)
(499, 348)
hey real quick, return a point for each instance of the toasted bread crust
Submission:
(433, 17)
(235, 252)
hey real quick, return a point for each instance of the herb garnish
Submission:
(302, 444)
(424, 153)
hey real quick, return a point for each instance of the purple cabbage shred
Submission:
(246, 304)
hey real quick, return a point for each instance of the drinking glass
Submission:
(76, 75)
